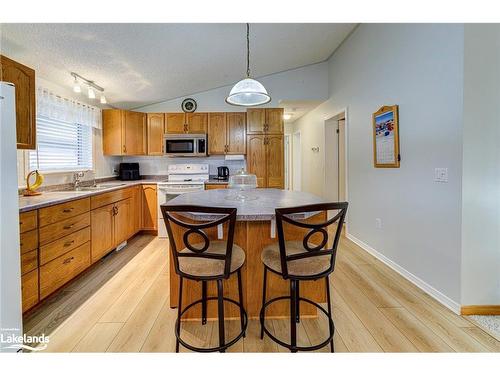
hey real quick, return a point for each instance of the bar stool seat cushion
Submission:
(211, 267)
(301, 267)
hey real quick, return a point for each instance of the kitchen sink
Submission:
(95, 188)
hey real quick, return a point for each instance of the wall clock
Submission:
(189, 105)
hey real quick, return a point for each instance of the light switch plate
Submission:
(441, 174)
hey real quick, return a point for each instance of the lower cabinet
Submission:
(102, 227)
(29, 289)
(123, 221)
(215, 186)
(58, 272)
(149, 207)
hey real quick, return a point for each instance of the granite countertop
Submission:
(213, 181)
(49, 198)
(259, 206)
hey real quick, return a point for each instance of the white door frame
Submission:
(338, 115)
(288, 162)
(297, 169)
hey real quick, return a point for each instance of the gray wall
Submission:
(420, 68)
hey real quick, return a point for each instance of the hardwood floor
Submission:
(121, 305)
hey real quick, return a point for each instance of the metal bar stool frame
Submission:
(222, 215)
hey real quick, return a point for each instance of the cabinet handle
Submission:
(69, 243)
(66, 210)
(68, 260)
(21, 244)
(20, 223)
(124, 148)
(69, 226)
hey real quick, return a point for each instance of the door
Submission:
(112, 132)
(175, 123)
(156, 124)
(256, 158)
(274, 121)
(297, 162)
(197, 123)
(217, 133)
(275, 161)
(256, 119)
(135, 133)
(24, 80)
(342, 159)
(136, 209)
(236, 133)
(102, 224)
(149, 207)
(123, 225)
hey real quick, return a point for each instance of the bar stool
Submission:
(302, 260)
(206, 261)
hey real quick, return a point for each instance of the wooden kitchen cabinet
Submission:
(265, 159)
(137, 208)
(186, 123)
(102, 224)
(123, 223)
(215, 186)
(156, 128)
(29, 290)
(23, 78)
(149, 207)
(227, 133)
(124, 132)
(265, 120)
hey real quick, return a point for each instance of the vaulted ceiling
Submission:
(139, 64)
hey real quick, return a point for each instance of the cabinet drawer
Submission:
(29, 289)
(27, 221)
(62, 211)
(61, 246)
(29, 241)
(55, 231)
(215, 186)
(107, 198)
(58, 272)
(29, 261)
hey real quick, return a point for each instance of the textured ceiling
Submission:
(139, 64)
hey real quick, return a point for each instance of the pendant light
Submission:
(248, 92)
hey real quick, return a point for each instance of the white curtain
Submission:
(56, 107)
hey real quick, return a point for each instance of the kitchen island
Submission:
(255, 229)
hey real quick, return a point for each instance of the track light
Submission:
(76, 86)
(103, 99)
(91, 93)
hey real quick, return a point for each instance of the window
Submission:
(64, 134)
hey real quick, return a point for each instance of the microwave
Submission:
(185, 145)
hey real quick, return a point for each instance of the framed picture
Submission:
(386, 137)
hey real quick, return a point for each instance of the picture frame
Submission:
(386, 137)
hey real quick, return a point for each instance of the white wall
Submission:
(481, 166)
(420, 68)
(306, 83)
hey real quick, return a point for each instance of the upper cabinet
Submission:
(24, 80)
(265, 120)
(156, 125)
(227, 133)
(186, 123)
(124, 132)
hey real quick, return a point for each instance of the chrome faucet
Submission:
(77, 179)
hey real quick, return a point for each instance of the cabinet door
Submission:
(112, 132)
(135, 133)
(24, 80)
(236, 133)
(275, 161)
(29, 289)
(256, 158)
(217, 133)
(156, 124)
(102, 229)
(197, 123)
(175, 123)
(274, 120)
(149, 208)
(256, 119)
(137, 208)
(123, 221)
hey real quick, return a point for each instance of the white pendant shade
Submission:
(248, 92)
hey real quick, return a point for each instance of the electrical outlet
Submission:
(441, 174)
(378, 223)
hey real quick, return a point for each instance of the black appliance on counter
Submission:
(222, 173)
(129, 171)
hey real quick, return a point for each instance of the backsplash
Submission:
(157, 165)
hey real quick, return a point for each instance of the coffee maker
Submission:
(222, 173)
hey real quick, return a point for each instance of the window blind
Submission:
(62, 146)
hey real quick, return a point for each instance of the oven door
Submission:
(177, 146)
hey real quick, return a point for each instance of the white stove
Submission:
(182, 178)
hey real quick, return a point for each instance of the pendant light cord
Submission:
(248, 50)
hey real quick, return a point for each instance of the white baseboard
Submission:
(430, 290)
